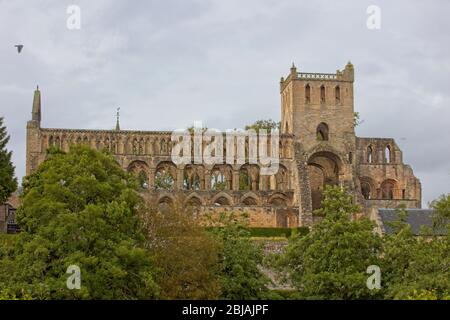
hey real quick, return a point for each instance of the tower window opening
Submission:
(369, 154)
(307, 94)
(337, 93)
(322, 132)
(387, 154)
(322, 94)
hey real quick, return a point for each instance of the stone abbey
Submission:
(317, 146)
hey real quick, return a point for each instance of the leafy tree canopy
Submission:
(331, 261)
(8, 183)
(82, 209)
(239, 260)
(264, 124)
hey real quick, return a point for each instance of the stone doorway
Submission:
(323, 169)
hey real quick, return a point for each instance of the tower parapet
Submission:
(345, 75)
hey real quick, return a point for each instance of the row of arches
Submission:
(122, 144)
(387, 155)
(386, 190)
(196, 177)
(221, 199)
(323, 94)
(114, 144)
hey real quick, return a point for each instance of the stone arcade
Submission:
(317, 146)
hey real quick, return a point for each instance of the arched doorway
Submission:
(323, 169)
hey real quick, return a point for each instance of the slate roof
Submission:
(416, 218)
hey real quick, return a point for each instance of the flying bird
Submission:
(19, 47)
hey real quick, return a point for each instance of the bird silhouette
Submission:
(19, 47)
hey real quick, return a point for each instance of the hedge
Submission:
(277, 232)
(274, 232)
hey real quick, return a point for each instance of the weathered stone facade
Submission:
(318, 146)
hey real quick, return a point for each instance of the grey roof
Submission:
(416, 218)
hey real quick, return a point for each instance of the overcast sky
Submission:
(169, 63)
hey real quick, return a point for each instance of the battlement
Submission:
(318, 76)
(345, 75)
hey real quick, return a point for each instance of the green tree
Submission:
(415, 267)
(264, 124)
(331, 261)
(356, 119)
(80, 208)
(239, 260)
(442, 212)
(185, 254)
(8, 183)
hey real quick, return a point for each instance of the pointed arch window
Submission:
(322, 93)
(388, 154)
(369, 154)
(322, 132)
(337, 94)
(307, 94)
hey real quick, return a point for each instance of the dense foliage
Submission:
(8, 183)
(416, 267)
(79, 208)
(185, 254)
(331, 261)
(268, 125)
(239, 260)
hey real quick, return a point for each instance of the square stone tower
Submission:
(317, 110)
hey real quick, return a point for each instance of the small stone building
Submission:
(317, 146)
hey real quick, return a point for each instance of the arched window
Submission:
(191, 177)
(307, 94)
(337, 94)
(139, 169)
(163, 147)
(135, 146)
(143, 180)
(388, 189)
(249, 201)
(387, 154)
(322, 132)
(165, 176)
(278, 202)
(369, 154)
(365, 190)
(249, 177)
(58, 142)
(244, 179)
(141, 146)
(165, 204)
(218, 181)
(322, 93)
(279, 181)
(222, 201)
